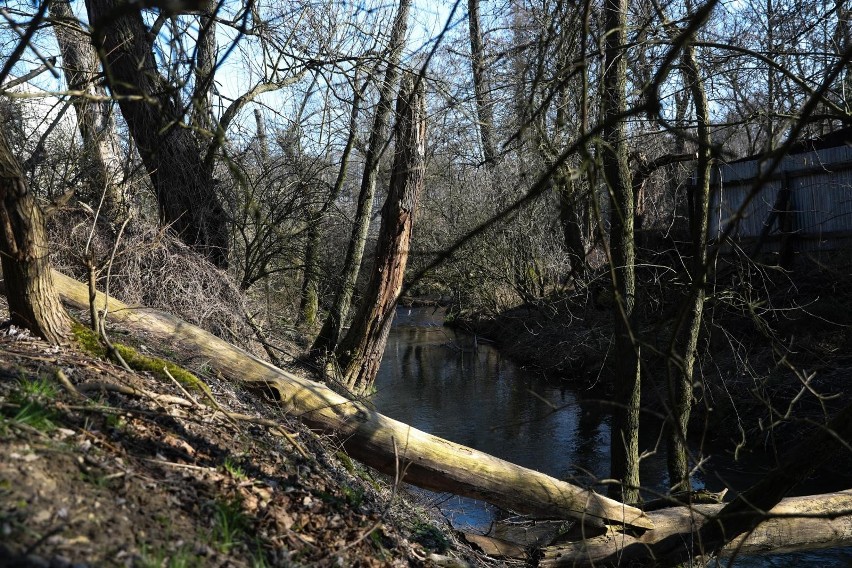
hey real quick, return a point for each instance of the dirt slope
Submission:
(112, 479)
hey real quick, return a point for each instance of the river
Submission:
(459, 387)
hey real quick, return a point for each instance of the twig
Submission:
(274, 425)
(219, 407)
(179, 465)
(67, 385)
(180, 386)
(133, 391)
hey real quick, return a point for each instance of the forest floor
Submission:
(116, 479)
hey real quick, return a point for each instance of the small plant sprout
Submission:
(38, 388)
(230, 525)
(233, 468)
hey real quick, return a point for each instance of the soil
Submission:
(110, 479)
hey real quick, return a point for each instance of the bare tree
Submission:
(95, 120)
(183, 183)
(687, 328)
(625, 423)
(481, 84)
(332, 328)
(360, 352)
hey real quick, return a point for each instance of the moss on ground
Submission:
(89, 342)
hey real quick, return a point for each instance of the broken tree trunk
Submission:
(796, 523)
(332, 329)
(360, 352)
(375, 439)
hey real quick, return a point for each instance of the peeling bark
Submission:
(797, 523)
(332, 328)
(360, 353)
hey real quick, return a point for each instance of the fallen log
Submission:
(796, 523)
(372, 438)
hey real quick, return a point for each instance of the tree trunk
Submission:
(667, 537)
(360, 353)
(311, 283)
(681, 361)
(205, 67)
(102, 151)
(625, 421)
(480, 84)
(332, 328)
(184, 186)
(572, 226)
(309, 301)
(800, 523)
(376, 440)
(33, 300)
(570, 200)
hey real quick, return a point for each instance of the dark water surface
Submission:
(455, 386)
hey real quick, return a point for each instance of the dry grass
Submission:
(154, 268)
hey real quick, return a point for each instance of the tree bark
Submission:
(309, 300)
(205, 67)
(625, 421)
(682, 352)
(183, 185)
(481, 84)
(311, 283)
(24, 255)
(376, 440)
(102, 151)
(360, 353)
(665, 537)
(332, 328)
(572, 225)
(570, 200)
(797, 523)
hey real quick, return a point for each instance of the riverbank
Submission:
(772, 342)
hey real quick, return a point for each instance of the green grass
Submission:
(354, 496)
(233, 468)
(230, 524)
(159, 558)
(116, 422)
(429, 536)
(30, 401)
(36, 416)
(39, 388)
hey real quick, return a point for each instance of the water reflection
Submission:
(452, 385)
(458, 387)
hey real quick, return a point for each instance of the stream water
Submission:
(456, 386)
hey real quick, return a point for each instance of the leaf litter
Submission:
(117, 479)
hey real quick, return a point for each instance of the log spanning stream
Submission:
(452, 385)
(612, 532)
